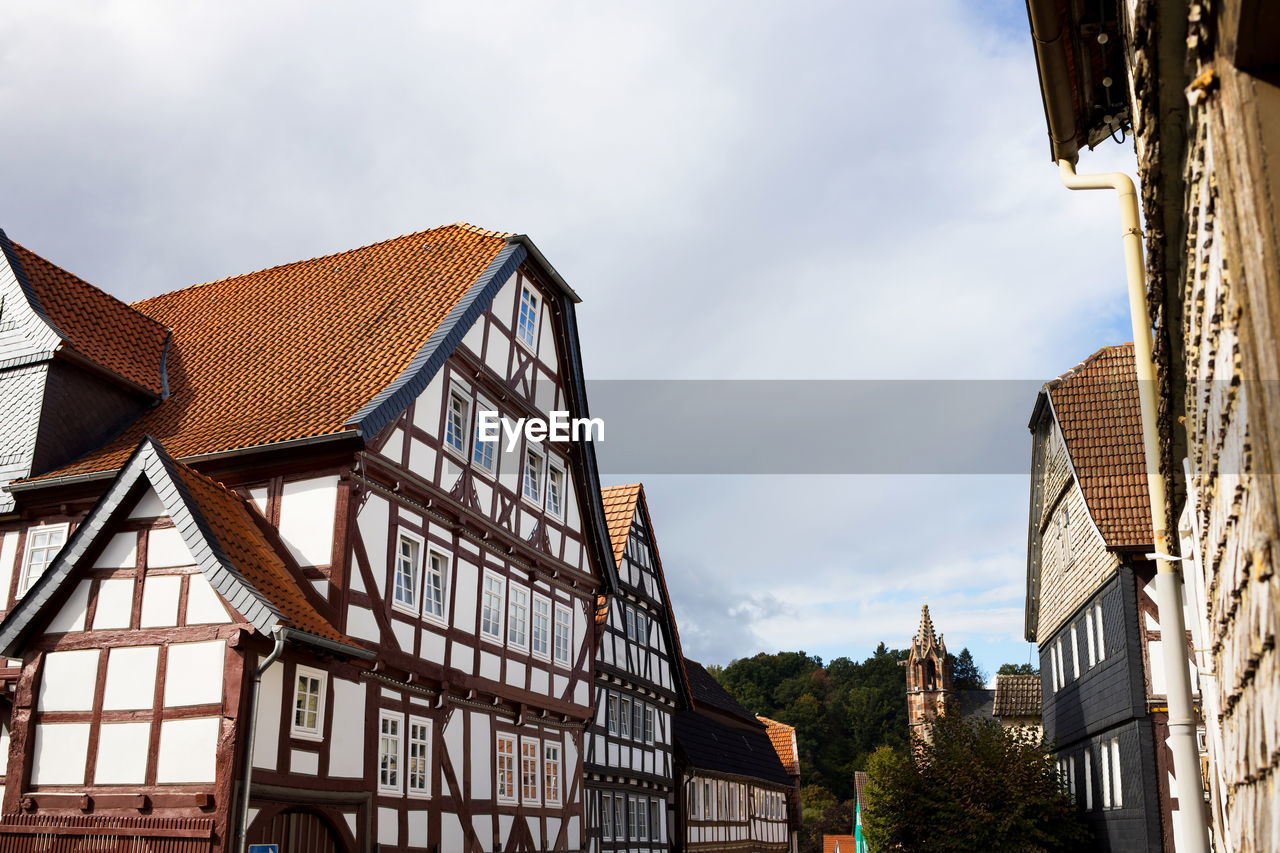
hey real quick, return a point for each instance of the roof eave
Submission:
(1056, 83)
(536, 254)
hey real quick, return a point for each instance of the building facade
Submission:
(404, 610)
(629, 766)
(1195, 84)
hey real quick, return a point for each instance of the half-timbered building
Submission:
(628, 765)
(732, 789)
(432, 693)
(783, 738)
(1090, 606)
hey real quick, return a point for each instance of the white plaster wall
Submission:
(480, 752)
(160, 600)
(346, 753)
(131, 678)
(372, 522)
(72, 614)
(121, 552)
(122, 753)
(204, 607)
(148, 506)
(67, 680)
(188, 750)
(8, 553)
(115, 604)
(193, 675)
(266, 735)
(166, 549)
(61, 751)
(307, 510)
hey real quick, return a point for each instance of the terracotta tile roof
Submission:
(839, 844)
(1096, 404)
(98, 327)
(245, 542)
(860, 786)
(295, 351)
(619, 508)
(784, 743)
(1017, 696)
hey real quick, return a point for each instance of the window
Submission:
(404, 595)
(483, 452)
(1071, 777)
(555, 491)
(629, 620)
(706, 799)
(613, 714)
(1088, 778)
(491, 611)
(527, 324)
(1102, 640)
(637, 720)
(419, 756)
(693, 800)
(455, 423)
(1088, 636)
(1053, 669)
(619, 824)
(1075, 653)
(518, 617)
(564, 635)
(43, 544)
(551, 773)
(1117, 788)
(655, 820)
(625, 717)
(1062, 678)
(433, 606)
(505, 767)
(532, 489)
(631, 819)
(541, 635)
(308, 703)
(389, 752)
(606, 816)
(648, 723)
(529, 771)
(642, 819)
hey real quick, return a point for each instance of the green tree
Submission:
(974, 785)
(965, 672)
(1018, 669)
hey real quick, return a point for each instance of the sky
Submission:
(781, 191)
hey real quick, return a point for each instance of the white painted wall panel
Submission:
(432, 646)
(8, 553)
(304, 761)
(67, 680)
(131, 678)
(61, 750)
(115, 604)
(266, 736)
(418, 836)
(372, 522)
(160, 600)
(307, 510)
(426, 410)
(166, 549)
(121, 552)
(422, 459)
(451, 837)
(188, 750)
(346, 753)
(193, 675)
(122, 754)
(148, 506)
(204, 607)
(481, 753)
(466, 581)
(72, 614)
(362, 624)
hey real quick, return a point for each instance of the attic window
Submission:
(43, 545)
(455, 424)
(527, 323)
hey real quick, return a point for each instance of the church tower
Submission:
(929, 690)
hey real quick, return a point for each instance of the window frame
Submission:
(536, 600)
(514, 590)
(423, 792)
(1088, 636)
(490, 470)
(606, 816)
(650, 724)
(531, 449)
(642, 818)
(25, 581)
(1117, 777)
(512, 796)
(535, 305)
(1075, 652)
(631, 819)
(655, 819)
(397, 717)
(428, 569)
(459, 451)
(498, 635)
(536, 757)
(554, 466)
(1088, 778)
(559, 610)
(1102, 637)
(415, 608)
(624, 717)
(315, 734)
(548, 777)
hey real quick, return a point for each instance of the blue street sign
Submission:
(264, 848)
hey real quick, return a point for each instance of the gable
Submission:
(26, 333)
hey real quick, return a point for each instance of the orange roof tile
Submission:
(839, 844)
(1096, 405)
(295, 351)
(97, 326)
(783, 738)
(619, 508)
(244, 541)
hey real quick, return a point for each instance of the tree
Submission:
(965, 672)
(1018, 669)
(974, 785)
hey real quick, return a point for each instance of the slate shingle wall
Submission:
(21, 392)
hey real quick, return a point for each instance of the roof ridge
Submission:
(476, 229)
(462, 226)
(1077, 369)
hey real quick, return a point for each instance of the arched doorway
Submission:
(297, 831)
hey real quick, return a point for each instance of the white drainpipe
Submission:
(1182, 721)
(247, 779)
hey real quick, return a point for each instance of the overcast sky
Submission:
(824, 190)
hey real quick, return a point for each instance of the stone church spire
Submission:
(929, 685)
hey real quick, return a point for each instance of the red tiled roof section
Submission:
(245, 544)
(782, 737)
(839, 844)
(96, 326)
(619, 510)
(296, 350)
(1017, 696)
(1096, 405)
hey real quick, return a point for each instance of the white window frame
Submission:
(49, 553)
(637, 720)
(1088, 778)
(629, 621)
(551, 775)
(421, 791)
(1062, 675)
(619, 818)
(611, 714)
(631, 819)
(1104, 762)
(624, 717)
(498, 610)
(650, 723)
(558, 624)
(540, 481)
(415, 577)
(534, 799)
(1102, 637)
(513, 780)
(385, 716)
(514, 592)
(642, 818)
(437, 566)
(555, 469)
(1075, 653)
(655, 819)
(1088, 636)
(606, 816)
(533, 298)
(495, 446)
(1053, 669)
(545, 653)
(458, 450)
(1117, 782)
(313, 733)
(1071, 777)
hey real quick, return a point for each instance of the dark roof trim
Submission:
(668, 612)
(414, 379)
(20, 273)
(1051, 47)
(325, 644)
(536, 254)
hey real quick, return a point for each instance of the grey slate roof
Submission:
(976, 703)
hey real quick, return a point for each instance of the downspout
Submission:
(278, 633)
(1182, 721)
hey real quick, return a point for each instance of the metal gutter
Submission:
(1051, 46)
(536, 254)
